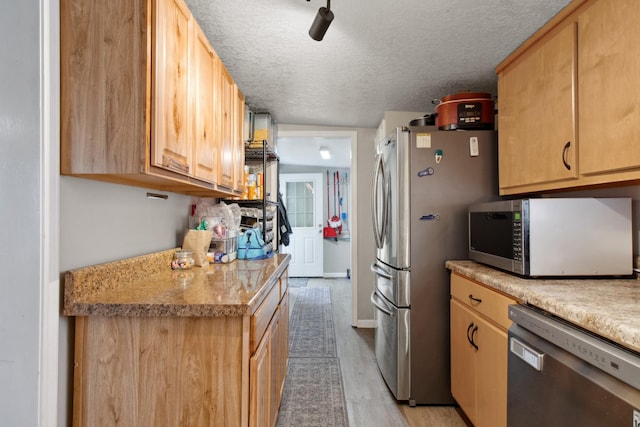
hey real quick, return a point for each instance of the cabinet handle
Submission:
(474, 299)
(468, 333)
(564, 155)
(473, 340)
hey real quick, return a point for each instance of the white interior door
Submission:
(302, 194)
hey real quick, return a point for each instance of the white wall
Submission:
(20, 194)
(102, 222)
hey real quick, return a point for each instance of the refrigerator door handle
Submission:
(377, 269)
(379, 227)
(376, 301)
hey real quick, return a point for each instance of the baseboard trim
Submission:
(366, 324)
(333, 275)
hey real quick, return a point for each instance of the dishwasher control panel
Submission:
(609, 357)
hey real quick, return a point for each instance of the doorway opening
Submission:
(299, 152)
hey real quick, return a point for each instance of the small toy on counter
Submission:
(182, 260)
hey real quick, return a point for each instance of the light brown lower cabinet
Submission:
(261, 395)
(479, 323)
(182, 371)
(283, 357)
(265, 376)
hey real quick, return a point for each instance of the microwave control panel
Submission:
(517, 235)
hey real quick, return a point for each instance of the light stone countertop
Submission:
(608, 307)
(147, 286)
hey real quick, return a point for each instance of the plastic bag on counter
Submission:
(198, 211)
(236, 215)
(218, 218)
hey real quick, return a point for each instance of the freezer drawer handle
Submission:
(380, 272)
(374, 301)
(530, 356)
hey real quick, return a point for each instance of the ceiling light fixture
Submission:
(325, 153)
(321, 22)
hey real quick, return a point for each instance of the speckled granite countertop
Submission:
(146, 286)
(608, 307)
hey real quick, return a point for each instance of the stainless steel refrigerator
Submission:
(424, 181)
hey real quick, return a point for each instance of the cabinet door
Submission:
(609, 93)
(203, 68)
(171, 145)
(225, 143)
(103, 88)
(463, 371)
(537, 138)
(260, 381)
(274, 401)
(284, 343)
(238, 135)
(485, 302)
(491, 375)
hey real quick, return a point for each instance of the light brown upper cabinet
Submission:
(537, 137)
(238, 138)
(139, 100)
(205, 70)
(609, 89)
(568, 109)
(225, 143)
(172, 141)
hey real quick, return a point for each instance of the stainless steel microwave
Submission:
(554, 236)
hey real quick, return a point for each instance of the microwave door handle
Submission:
(379, 304)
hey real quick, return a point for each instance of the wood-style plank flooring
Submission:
(369, 402)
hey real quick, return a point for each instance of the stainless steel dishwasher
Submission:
(561, 375)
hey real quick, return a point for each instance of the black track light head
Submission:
(321, 23)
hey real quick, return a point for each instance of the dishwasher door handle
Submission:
(530, 356)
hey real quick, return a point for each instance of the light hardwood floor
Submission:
(369, 402)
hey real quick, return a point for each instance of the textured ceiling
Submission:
(378, 55)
